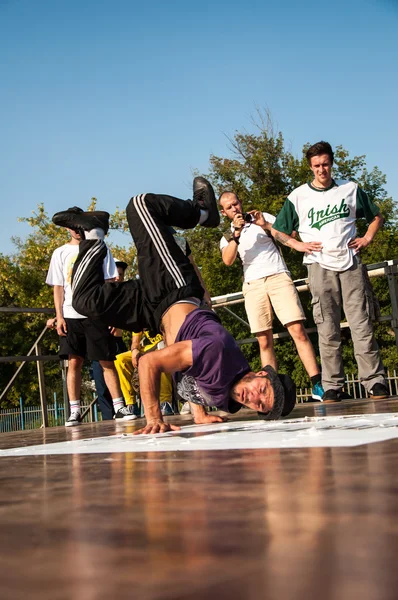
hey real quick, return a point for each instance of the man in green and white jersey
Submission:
(324, 214)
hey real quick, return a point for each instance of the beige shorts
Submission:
(276, 292)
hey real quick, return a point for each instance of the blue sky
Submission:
(114, 98)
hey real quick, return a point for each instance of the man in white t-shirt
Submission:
(80, 336)
(327, 210)
(267, 285)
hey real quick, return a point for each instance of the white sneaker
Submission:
(186, 409)
(126, 413)
(74, 419)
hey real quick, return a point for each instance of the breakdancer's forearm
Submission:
(149, 389)
(176, 357)
(198, 412)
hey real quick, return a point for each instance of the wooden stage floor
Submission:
(283, 524)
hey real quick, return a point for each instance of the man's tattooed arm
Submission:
(283, 238)
(288, 240)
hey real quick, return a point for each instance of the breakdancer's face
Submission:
(255, 391)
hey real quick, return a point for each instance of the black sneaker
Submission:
(74, 419)
(82, 220)
(345, 395)
(203, 194)
(126, 413)
(331, 396)
(75, 209)
(379, 391)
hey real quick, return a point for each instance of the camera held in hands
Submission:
(248, 217)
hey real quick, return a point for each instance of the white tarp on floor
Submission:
(309, 432)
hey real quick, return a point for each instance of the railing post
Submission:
(392, 278)
(22, 415)
(42, 388)
(55, 408)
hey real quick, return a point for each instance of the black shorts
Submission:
(87, 337)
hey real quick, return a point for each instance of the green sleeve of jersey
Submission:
(287, 220)
(365, 208)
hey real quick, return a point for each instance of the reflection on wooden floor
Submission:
(241, 524)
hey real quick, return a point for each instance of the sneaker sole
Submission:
(213, 219)
(379, 397)
(331, 401)
(72, 424)
(126, 418)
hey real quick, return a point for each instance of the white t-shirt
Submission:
(60, 273)
(259, 255)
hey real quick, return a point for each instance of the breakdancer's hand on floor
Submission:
(201, 417)
(156, 426)
(206, 419)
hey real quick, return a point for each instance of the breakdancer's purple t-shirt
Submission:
(217, 361)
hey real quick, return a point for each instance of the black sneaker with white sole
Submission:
(126, 413)
(82, 220)
(74, 419)
(379, 391)
(203, 194)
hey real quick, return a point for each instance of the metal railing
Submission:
(354, 388)
(30, 417)
(388, 268)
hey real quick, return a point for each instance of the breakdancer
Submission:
(208, 364)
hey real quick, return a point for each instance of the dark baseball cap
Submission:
(121, 263)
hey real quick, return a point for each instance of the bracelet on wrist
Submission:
(235, 239)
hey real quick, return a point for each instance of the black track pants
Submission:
(166, 274)
(116, 304)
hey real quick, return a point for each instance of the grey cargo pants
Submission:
(330, 291)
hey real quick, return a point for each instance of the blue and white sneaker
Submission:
(166, 409)
(317, 392)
